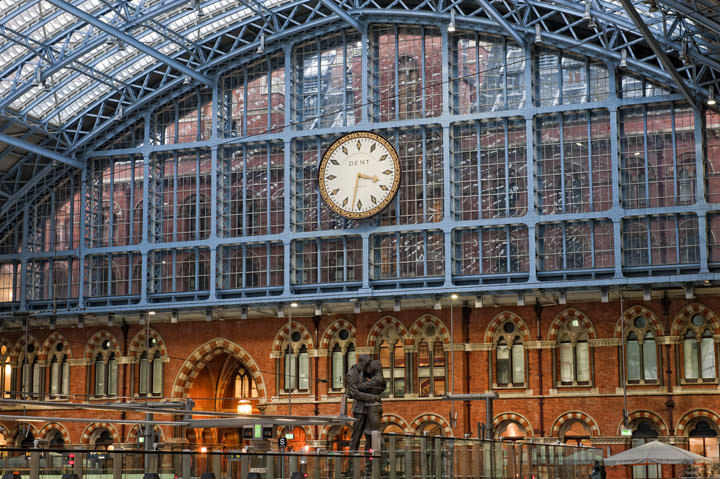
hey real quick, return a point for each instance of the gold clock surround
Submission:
(359, 166)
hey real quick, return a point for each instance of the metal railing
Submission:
(397, 457)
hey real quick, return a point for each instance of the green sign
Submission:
(257, 431)
(626, 432)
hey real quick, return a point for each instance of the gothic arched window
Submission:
(698, 350)
(573, 354)
(641, 352)
(342, 358)
(509, 356)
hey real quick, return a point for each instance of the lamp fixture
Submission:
(451, 26)
(396, 305)
(521, 299)
(647, 293)
(689, 291)
(243, 312)
(38, 77)
(711, 95)
(538, 33)
(261, 43)
(562, 299)
(437, 306)
(318, 309)
(244, 407)
(173, 317)
(280, 311)
(478, 301)
(151, 312)
(623, 59)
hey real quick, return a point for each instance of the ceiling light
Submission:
(451, 26)
(538, 33)
(261, 43)
(711, 96)
(623, 59)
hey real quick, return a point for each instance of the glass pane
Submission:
(650, 360)
(157, 375)
(567, 367)
(143, 376)
(518, 363)
(54, 378)
(633, 360)
(37, 389)
(583, 362)
(99, 378)
(65, 378)
(338, 372)
(304, 368)
(112, 377)
(707, 357)
(690, 352)
(502, 363)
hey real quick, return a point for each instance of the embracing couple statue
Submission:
(364, 383)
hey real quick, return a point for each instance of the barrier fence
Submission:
(394, 457)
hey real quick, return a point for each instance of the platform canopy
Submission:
(655, 452)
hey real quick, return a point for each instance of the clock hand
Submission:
(366, 177)
(357, 178)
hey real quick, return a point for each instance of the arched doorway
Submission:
(645, 431)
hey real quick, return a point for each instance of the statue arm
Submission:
(353, 390)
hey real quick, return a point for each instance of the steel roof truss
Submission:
(493, 14)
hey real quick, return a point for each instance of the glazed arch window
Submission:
(391, 353)
(641, 352)
(150, 370)
(510, 431)
(699, 351)
(296, 365)
(59, 370)
(509, 357)
(431, 364)
(30, 374)
(573, 354)
(342, 358)
(106, 371)
(6, 373)
(703, 439)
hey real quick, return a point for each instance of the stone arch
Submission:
(513, 416)
(94, 426)
(395, 419)
(282, 334)
(19, 348)
(500, 319)
(96, 340)
(688, 311)
(560, 318)
(136, 344)
(684, 423)
(199, 358)
(306, 429)
(54, 426)
(423, 418)
(563, 419)
(134, 432)
(381, 324)
(13, 433)
(645, 414)
(635, 311)
(417, 327)
(54, 338)
(333, 328)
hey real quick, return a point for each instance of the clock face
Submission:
(359, 175)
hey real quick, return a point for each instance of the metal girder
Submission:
(132, 41)
(39, 150)
(662, 56)
(495, 15)
(342, 14)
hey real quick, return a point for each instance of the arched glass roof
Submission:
(75, 71)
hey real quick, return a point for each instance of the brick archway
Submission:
(282, 335)
(333, 328)
(513, 417)
(51, 340)
(648, 415)
(202, 355)
(500, 319)
(55, 426)
(97, 339)
(395, 419)
(94, 426)
(683, 317)
(560, 318)
(132, 435)
(683, 425)
(430, 417)
(383, 323)
(557, 426)
(416, 328)
(639, 311)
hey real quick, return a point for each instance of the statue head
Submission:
(362, 361)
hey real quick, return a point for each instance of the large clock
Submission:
(359, 174)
